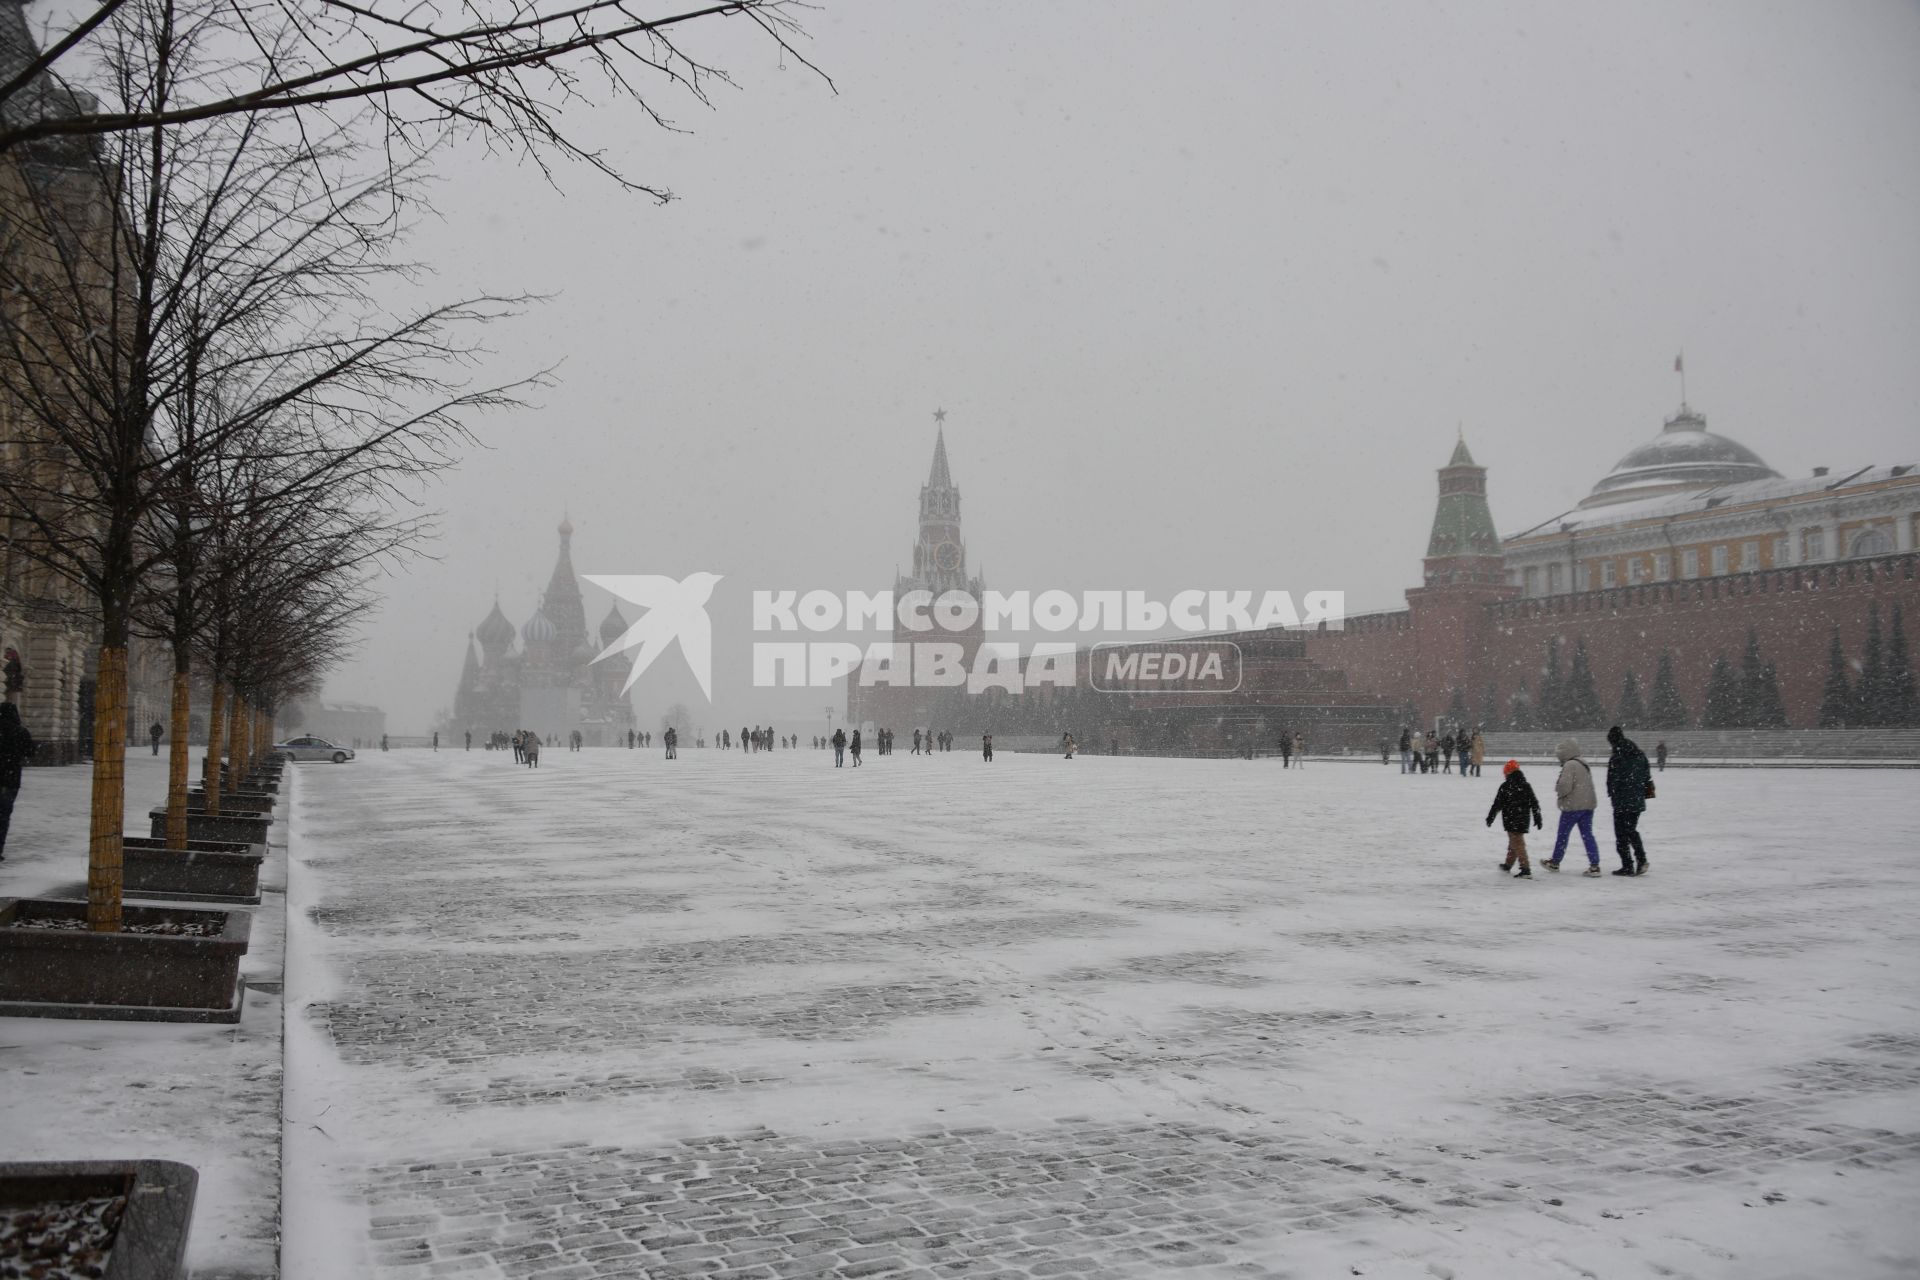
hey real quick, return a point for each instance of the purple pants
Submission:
(1570, 819)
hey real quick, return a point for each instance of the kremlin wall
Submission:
(1690, 549)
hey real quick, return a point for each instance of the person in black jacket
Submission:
(1629, 783)
(16, 748)
(1514, 803)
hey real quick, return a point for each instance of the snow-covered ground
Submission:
(753, 1016)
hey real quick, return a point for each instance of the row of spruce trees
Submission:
(1877, 691)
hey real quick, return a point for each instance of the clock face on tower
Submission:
(947, 556)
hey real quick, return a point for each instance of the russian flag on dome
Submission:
(1678, 364)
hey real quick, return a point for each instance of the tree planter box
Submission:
(72, 973)
(205, 871)
(235, 801)
(151, 1240)
(231, 828)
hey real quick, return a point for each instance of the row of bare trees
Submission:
(216, 420)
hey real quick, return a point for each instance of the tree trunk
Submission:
(108, 827)
(236, 711)
(216, 721)
(177, 762)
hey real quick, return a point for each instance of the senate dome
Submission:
(1684, 456)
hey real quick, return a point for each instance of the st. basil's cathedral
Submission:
(542, 676)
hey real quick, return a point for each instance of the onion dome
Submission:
(494, 632)
(538, 630)
(1685, 455)
(613, 626)
(566, 527)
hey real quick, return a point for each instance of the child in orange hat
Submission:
(1514, 804)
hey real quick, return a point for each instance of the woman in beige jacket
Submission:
(1575, 791)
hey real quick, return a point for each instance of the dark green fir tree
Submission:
(1630, 712)
(1836, 700)
(1870, 690)
(1723, 708)
(1902, 704)
(1667, 710)
(1580, 702)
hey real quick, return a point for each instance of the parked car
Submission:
(312, 749)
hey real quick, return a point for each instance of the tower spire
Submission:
(938, 476)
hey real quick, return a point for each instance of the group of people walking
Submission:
(1629, 786)
(1431, 753)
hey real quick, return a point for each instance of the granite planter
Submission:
(151, 1240)
(143, 977)
(205, 871)
(230, 828)
(240, 801)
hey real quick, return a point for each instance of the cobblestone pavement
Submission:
(752, 1017)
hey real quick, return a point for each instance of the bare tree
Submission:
(506, 70)
(192, 292)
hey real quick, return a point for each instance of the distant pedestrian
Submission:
(1432, 753)
(1066, 740)
(1383, 752)
(1629, 787)
(383, 742)
(436, 739)
(530, 750)
(1574, 791)
(986, 747)
(1446, 752)
(1286, 749)
(1299, 750)
(839, 748)
(1514, 804)
(1406, 749)
(1464, 745)
(155, 732)
(1479, 751)
(1660, 754)
(16, 748)
(469, 739)
(854, 748)
(916, 743)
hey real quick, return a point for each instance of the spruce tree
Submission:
(1870, 691)
(1765, 709)
(1723, 709)
(1520, 716)
(1667, 709)
(1836, 701)
(1549, 709)
(1580, 703)
(1902, 705)
(1492, 716)
(1752, 678)
(1457, 709)
(1630, 712)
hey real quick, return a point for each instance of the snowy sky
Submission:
(1205, 293)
